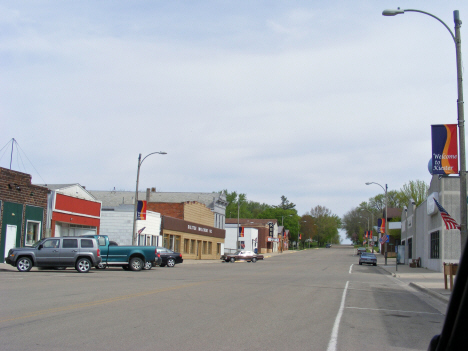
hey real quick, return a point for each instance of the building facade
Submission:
(268, 240)
(23, 209)
(215, 202)
(117, 224)
(72, 211)
(423, 232)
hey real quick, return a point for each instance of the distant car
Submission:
(361, 250)
(367, 257)
(168, 257)
(328, 246)
(242, 255)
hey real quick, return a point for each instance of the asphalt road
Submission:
(311, 300)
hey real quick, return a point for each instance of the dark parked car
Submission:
(168, 257)
(367, 257)
(328, 246)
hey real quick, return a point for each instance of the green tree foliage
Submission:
(416, 190)
(327, 225)
(308, 228)
(285, 204)
(355, 224)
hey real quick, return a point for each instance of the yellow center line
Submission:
(99, 302)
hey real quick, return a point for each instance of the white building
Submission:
(117, 224)
(248, 242)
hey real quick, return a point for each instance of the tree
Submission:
(416, 190)
(354, 225)
(308, 228)
(285, 204)
(327, 225)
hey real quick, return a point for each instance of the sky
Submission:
(306, 99)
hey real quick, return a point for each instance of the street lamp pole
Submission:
(461, 114)
(140, 161)
(386, 210)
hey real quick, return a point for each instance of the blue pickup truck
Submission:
(134, 258)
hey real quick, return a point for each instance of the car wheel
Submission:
(232, 260)
(148, 265)
(360, 263)
(375, 264)
(101, 266)
(83, 265)
(170, 262)
(136, 264)
(254, 259)
(24, 264)
(126, 267)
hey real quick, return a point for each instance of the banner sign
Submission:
(241, 232)
(141, 210)
(444, 149)
(381, 225)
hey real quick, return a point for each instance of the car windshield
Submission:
(364, 254)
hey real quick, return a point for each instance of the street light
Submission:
(461, 114)
(386, 208)
(140, 161)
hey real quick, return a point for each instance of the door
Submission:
(199, 250)
(10, 238)
(48, 253)
(68, 252)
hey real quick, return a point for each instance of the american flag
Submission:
(448, 220)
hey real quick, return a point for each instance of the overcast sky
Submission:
(307, 99)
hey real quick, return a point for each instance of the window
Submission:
(193, 249)
(102, 241)
(51, 244)
(86, 243)
(186, 246)
(218, 248)
(410, 248)
(209, 247)
(204, 247)
(70, 243)
(33, 232)
(435, 244)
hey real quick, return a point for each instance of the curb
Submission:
(430, 292)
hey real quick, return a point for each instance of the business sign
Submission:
(271, 227)
(141, 210)
(444, 149)
(273, 240)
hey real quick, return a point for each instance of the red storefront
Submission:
(74, 211)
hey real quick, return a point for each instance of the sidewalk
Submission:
(423, 279)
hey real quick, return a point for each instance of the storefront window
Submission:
(33, 232)
(176, 243)
(209, 247)
(193, 247)
(186, 246)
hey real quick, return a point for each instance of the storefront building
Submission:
(268, 240)
(23, 211)
(72, 211)
(193, 240)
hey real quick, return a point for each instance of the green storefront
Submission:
(21, 225)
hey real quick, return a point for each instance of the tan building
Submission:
(187, 228)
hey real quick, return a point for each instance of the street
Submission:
(311, 300)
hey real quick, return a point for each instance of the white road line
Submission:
(383, 309)
(334, 335)
(351, 268)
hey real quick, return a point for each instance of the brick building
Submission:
(23, 209)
